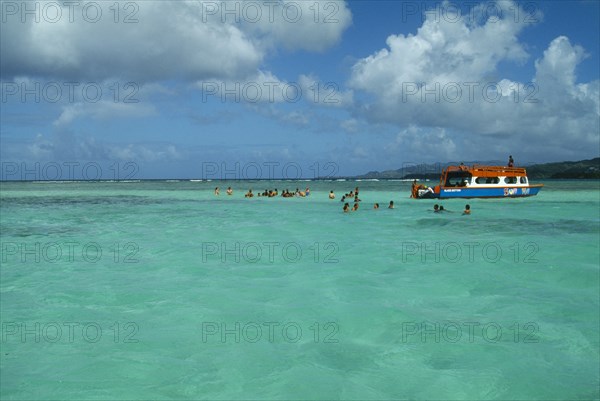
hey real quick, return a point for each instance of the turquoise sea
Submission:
(162, 290)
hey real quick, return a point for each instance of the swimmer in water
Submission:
(391, 206)
(249, 194)
(346, 207)
(436, 208)
(217, 192)
(376, 206)
(355, 207)
(331, 195)
(229, 191)
(467, 209)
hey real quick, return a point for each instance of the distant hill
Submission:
(583, 169)
(580, 169)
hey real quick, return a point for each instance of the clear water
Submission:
(161, 290)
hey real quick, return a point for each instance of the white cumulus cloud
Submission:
(161, 40)
(446, 77)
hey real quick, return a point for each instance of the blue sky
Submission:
(269, 89)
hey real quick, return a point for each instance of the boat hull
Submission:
(499, 192)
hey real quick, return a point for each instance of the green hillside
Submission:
(582, 169)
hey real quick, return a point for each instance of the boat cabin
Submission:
(484, 176)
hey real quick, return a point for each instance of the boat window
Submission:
(487, 180)
(523, 180)
(458, 179)
(510, 180)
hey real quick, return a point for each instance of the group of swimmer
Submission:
(436, 208)
(229, 191)
(355, 207)
(269, 193)
(353, 194)
(287, 194)
(439, 209)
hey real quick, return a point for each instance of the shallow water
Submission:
(162, 290)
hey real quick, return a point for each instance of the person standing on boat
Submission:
(511, 162)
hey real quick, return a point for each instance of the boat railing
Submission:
(499, 169)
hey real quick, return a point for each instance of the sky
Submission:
(292, 89)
